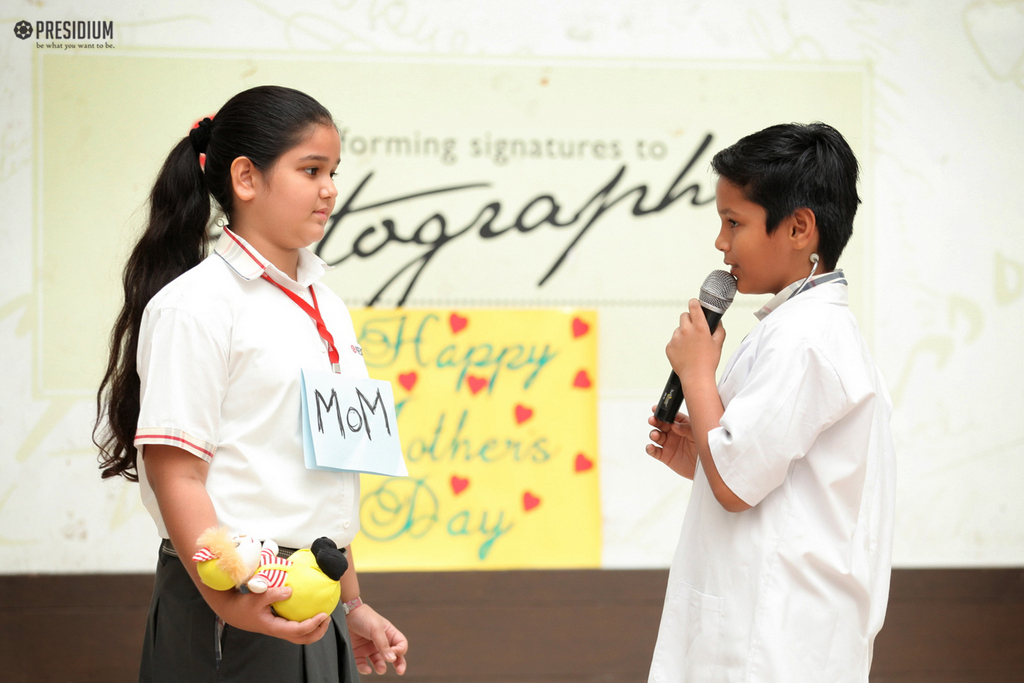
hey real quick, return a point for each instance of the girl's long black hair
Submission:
(261, 124)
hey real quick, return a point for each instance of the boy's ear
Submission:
(243, 178)
(803, 228)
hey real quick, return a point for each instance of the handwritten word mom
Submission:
(384, 338)
(357, 411)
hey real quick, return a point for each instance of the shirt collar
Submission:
(798, 287)
(249, 264)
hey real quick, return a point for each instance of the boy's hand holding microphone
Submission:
(694, 351)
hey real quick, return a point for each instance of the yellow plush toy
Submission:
(238, 561)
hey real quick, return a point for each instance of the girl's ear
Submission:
(244, 178)
(803, 228)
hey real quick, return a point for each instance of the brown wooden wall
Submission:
(943, 626)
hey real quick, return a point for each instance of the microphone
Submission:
(716, 294)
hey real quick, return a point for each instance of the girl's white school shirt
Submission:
(219, 358)
(794, 589)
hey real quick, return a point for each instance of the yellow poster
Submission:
(497, 413)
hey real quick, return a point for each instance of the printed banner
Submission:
(497, 412)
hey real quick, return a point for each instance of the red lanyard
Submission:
(314, 313)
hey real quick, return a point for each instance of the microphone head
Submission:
(718, 291)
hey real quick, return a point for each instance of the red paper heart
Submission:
(579, 328)
(583, 463)
(459, 484)
(530, 501)
(582, 380)
(408, 380)
(476, 383)
(457, 322)
(523, 413)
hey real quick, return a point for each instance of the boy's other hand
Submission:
(675, 445)
(693, 351)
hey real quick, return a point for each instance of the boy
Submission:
(782, 569)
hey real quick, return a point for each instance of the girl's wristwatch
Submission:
(351, 604)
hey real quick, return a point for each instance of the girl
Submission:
(203, 382)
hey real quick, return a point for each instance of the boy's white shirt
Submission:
(795, 588)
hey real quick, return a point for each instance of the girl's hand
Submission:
(375, 642)
(675, 447)
(252, 612)
(693, 351)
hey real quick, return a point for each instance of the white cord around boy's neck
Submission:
(814, 267)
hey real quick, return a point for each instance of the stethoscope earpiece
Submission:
(814, 267)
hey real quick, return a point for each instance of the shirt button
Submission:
(345, 525)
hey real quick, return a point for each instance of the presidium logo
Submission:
(65, 30)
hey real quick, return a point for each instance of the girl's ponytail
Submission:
(174, 241)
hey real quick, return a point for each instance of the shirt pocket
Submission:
(689, 638)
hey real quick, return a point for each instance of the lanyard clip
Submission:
(336, 367)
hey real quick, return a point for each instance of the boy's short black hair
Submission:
(793, 165)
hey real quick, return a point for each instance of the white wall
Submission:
(946, 306)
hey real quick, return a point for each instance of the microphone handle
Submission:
(672, 396)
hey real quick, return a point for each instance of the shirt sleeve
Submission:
(791, 394)
(183, 370)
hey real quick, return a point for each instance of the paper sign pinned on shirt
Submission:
(350, 424)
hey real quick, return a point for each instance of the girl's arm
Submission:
(375, 641)
(178, 479)
(694, 354)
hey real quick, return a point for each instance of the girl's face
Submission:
(296, 196)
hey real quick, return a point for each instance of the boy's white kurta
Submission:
(220, 352)
(794, 589)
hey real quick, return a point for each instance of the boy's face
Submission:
(761, 263)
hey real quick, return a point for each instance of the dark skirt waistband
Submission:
(167, 548)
